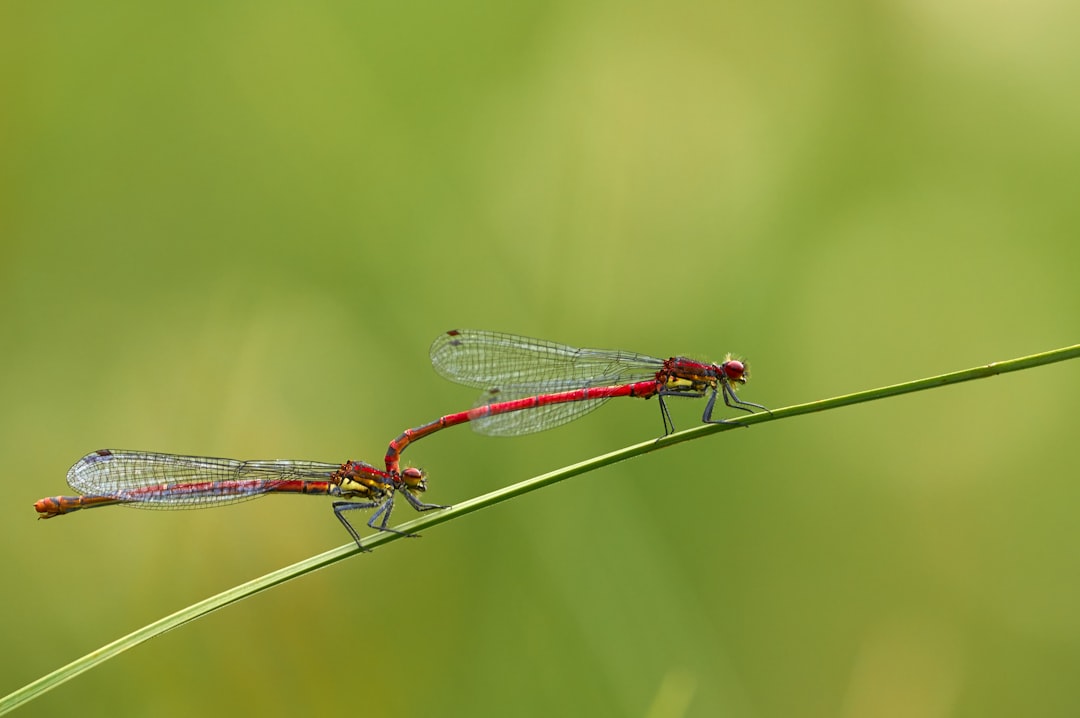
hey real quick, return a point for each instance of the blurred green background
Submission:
(233, 229)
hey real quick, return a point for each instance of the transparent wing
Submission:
(517, 423)
(525, 367)
(151, 480)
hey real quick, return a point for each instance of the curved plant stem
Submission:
(197, 610)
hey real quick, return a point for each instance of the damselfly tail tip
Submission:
(46, 508)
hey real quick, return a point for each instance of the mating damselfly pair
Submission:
(528, 385)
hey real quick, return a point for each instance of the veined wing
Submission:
(525, 366)
(152, 480)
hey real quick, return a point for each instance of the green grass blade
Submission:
(197, 610)
(186, 615)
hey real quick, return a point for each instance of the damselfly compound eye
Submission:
(734, 370)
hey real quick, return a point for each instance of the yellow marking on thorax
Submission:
(351, 487)
(682, 384)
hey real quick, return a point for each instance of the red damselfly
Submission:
(166, 481)
(530, 385)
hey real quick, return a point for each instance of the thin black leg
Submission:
(385, 510)
(669, 425)
(732, 400)
(707, 416)
(418, 504)
(340, 507)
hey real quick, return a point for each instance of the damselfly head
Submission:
(735, 370)
(414, 479)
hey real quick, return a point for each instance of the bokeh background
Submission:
(233, 229)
